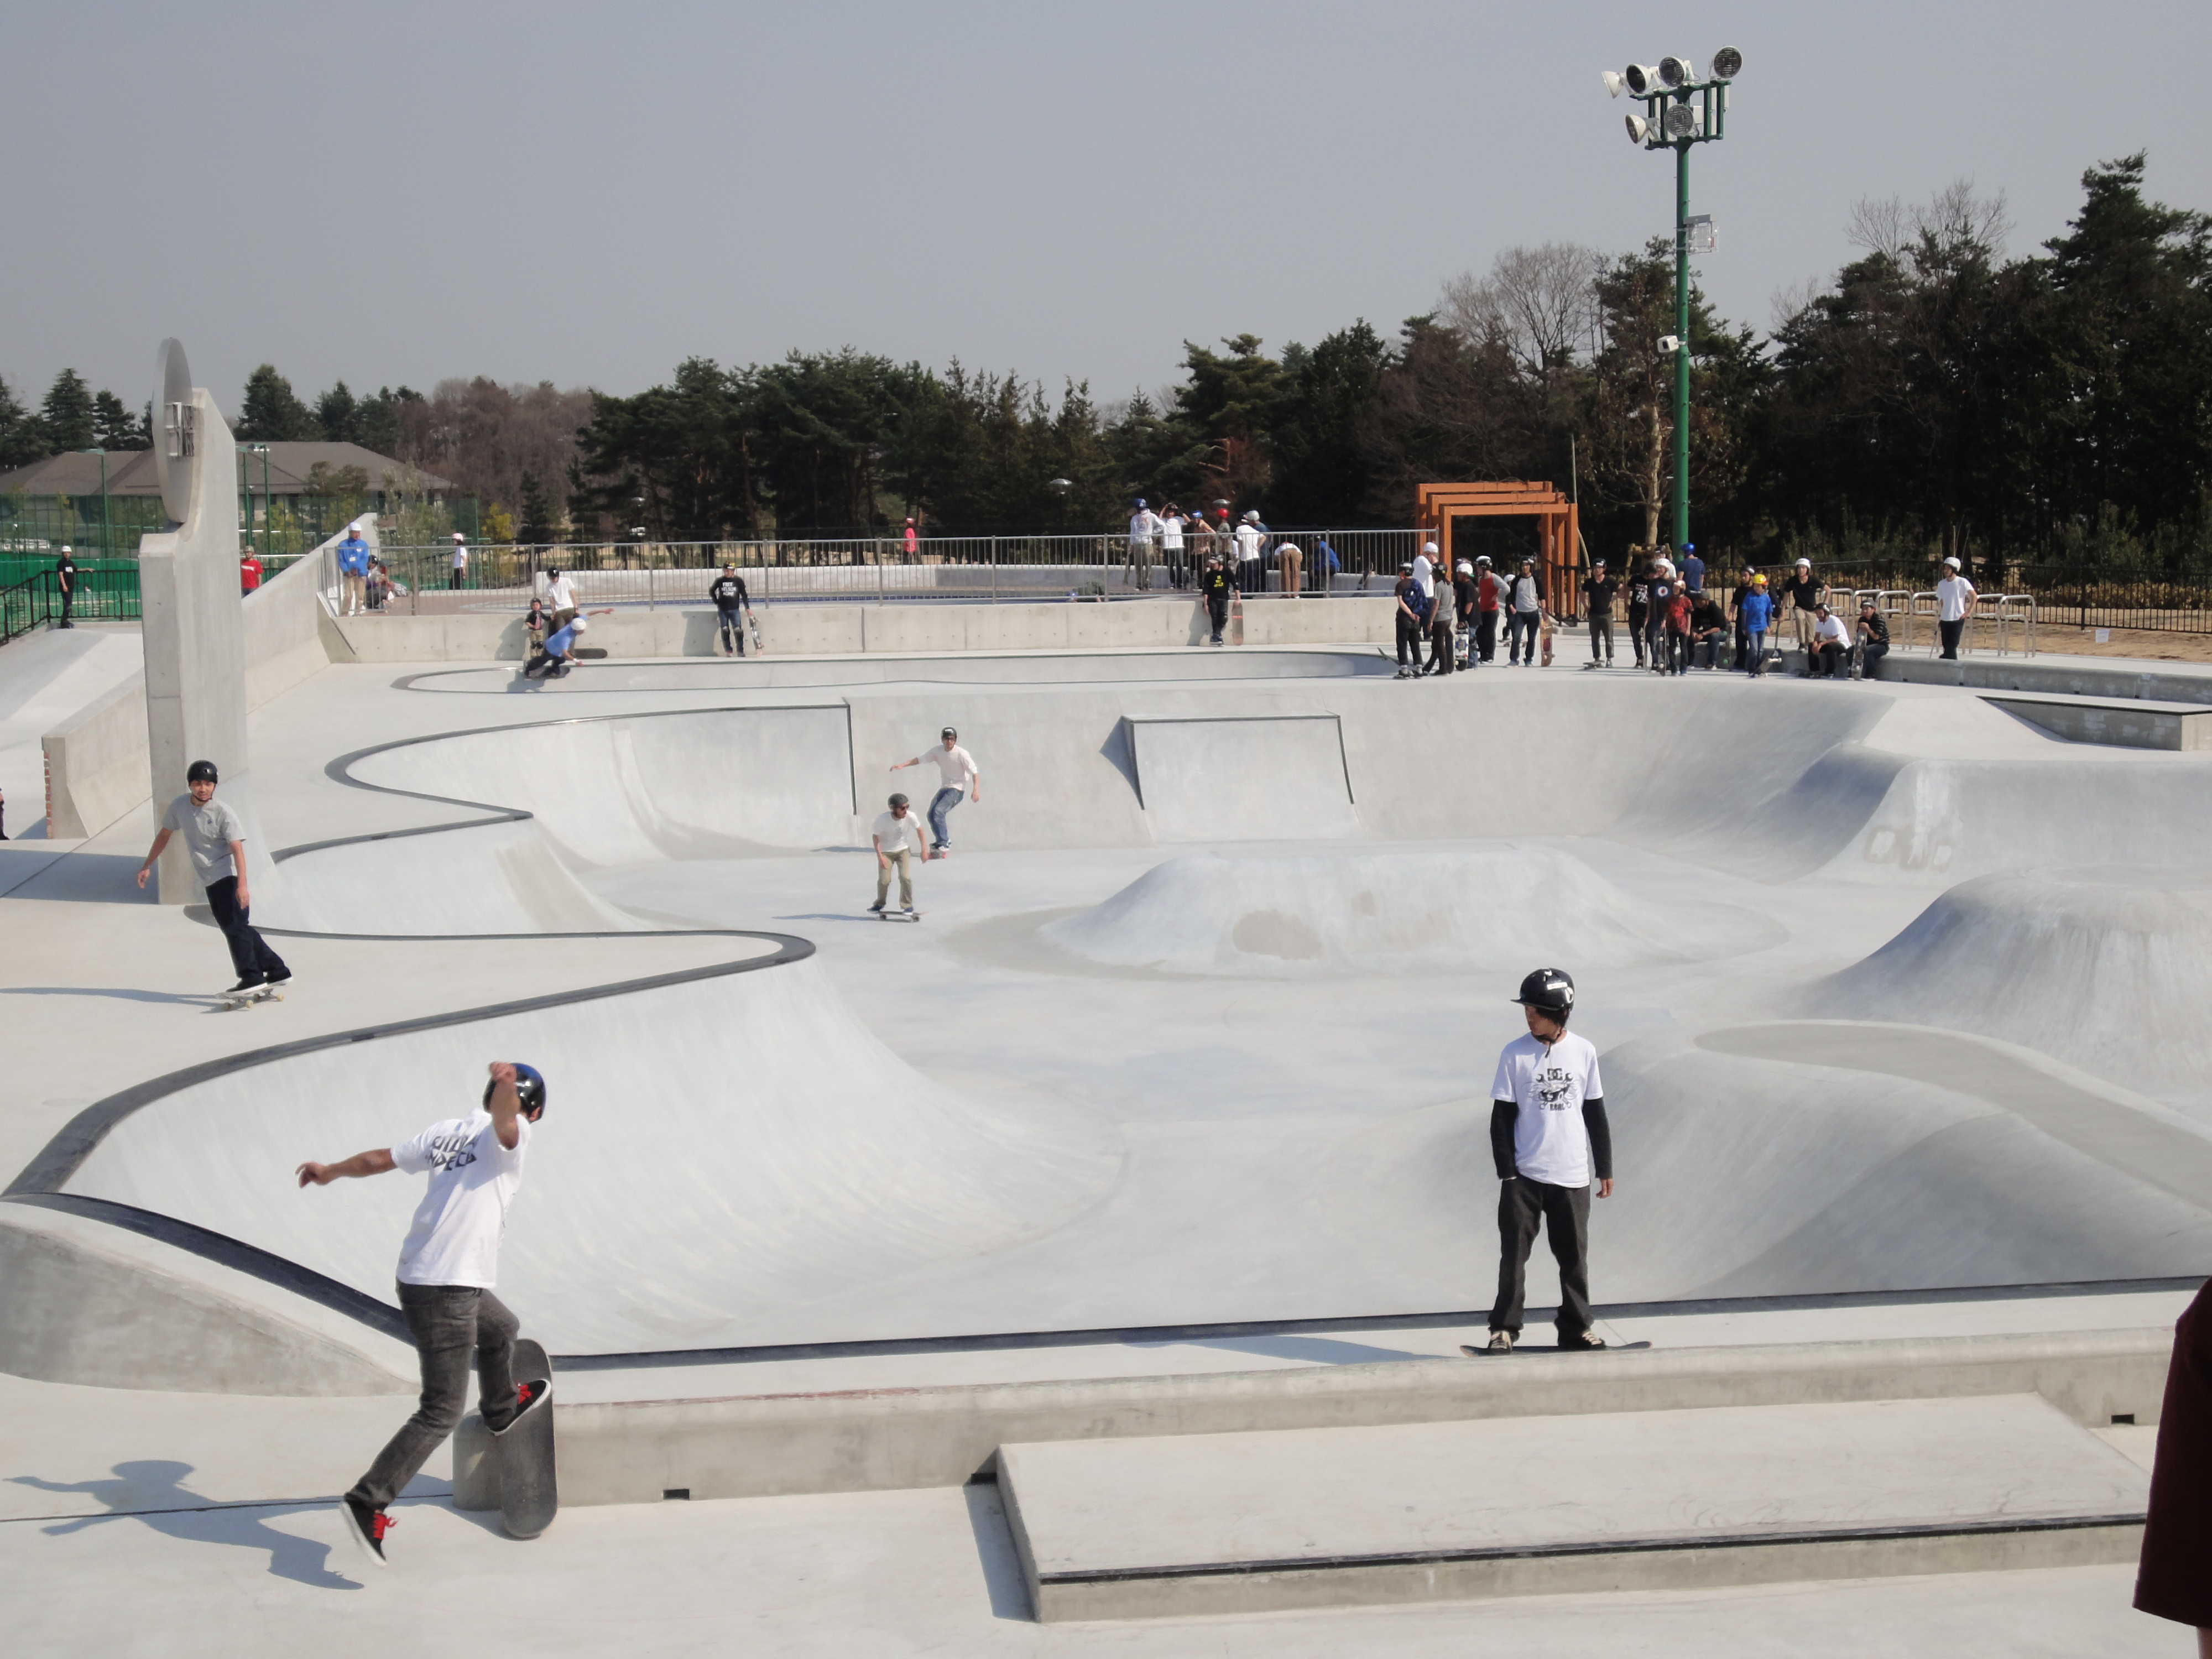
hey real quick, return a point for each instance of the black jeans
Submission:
(1564, 1213)
(733, 629)
(1601, 638)
(1635, 621)
(1440, 648)
(449, 1323)
(1951, 631)
(1409, 640)
(1485, 636)
(1216, 612)
(249, 952)
(1832, 661)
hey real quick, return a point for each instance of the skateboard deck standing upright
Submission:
(752, 627)
(529, 1488)
(1236, 620)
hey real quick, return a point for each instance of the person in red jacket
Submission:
(249, 572)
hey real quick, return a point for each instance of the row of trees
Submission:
(1934, 396)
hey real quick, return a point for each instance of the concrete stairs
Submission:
(1241, 1523)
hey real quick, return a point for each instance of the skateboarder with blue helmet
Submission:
(1548, 1134)
(448, 1265)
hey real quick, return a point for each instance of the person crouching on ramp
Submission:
(448, 1265)
(1547, 1128)
(898, 839)
(558, 654)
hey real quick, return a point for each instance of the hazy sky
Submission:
(588, 193)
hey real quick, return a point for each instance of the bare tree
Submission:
(1954, 219)
(1538, 304)
(484, 437)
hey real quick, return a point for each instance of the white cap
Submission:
(1952, 563)
(1804, 564)
(1465, 568)
(1428, 547)
(579, 624)
(353, 530)
(459, 536)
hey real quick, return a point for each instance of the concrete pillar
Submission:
(195, 629)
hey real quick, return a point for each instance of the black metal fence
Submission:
(107, 595)
(2066, 596)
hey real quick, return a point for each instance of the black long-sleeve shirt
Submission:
(729, 593)
(1504, 1113)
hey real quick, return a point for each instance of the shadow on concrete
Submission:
(152, 1493)
(73, 877)
(1312, 1350)
(120, 992)
(994, 1552)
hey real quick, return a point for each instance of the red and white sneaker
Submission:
(528, 1397)
(366, 1526)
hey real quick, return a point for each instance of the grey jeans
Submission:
(449, 1322)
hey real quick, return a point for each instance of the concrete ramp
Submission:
(1211, 1524)
(502, 877)
(1259, 778)
(709, 784)
(717, 1157)
(1484, 905)
(2107, 968)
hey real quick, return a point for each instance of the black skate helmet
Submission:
(529, 1088)
(1548, 991)
(898, 801)
(200, 772)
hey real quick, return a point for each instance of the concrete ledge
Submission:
(1989, 673)
(2121, 723)
(770, 1445)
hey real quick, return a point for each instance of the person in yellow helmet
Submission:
(1757, 613)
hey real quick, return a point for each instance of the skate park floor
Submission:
(1291, 1140)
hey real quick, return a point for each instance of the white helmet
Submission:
(579, 624)
(1252, 516)
(1951, 563)
(1428, 547)
(1465, 568)
(1804, 564)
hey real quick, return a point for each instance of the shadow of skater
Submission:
(152, 1492)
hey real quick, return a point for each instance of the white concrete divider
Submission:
(878, 1440)
(97, 761)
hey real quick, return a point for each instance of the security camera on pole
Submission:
(1679, 110)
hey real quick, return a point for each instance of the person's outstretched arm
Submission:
(375, 1162)
(1503, 1113)
(1600, 1141)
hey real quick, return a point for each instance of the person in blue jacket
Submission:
(353, 570)
(1757, 613)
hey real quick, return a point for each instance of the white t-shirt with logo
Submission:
(1951, 596)
(892, 833)
(454, 1237)
(1550, 1141)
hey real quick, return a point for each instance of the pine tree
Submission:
(271, 412)
(23, 439)
(536, 527)
(67, 414)
(338, 414)
(116, 426)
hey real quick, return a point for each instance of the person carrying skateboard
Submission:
(214, 835)
(729, 593)
(956, 771)
(1547, 1134)
(897, 840)
(448, 1265)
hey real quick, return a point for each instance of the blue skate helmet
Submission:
(529, 1088)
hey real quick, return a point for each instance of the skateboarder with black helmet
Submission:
(1548, 1134)
(448, 1265)
(214, 835)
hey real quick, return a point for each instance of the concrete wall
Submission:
(837, 629)
(895, 1438)
(98, 760)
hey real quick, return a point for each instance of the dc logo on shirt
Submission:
(452, 1152)
(1552, 1086)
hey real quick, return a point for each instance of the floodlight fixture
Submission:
(1641, 80)
(1681, 121)
(1670, 344)
(1675, 73)
(1728, 64)
(1638, 130)
(1613, 82)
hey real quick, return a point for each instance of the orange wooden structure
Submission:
(1558, 531)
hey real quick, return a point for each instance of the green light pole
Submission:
(1679, 110)
(107, 538)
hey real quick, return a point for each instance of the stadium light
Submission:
(1613, 82)
(1679, 111)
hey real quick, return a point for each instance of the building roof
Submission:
(131, 471)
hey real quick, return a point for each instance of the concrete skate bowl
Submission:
(2108, 968)
(1808, 1159)
(1469, 906)
(711, 674)
(721, 1157)
(564, 796)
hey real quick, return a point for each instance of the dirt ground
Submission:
(2158, 646)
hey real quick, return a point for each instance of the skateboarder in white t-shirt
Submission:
(956, 770)
(897, 839)
(1547, 1128)
(447, 1266)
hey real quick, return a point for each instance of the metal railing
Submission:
(974, 569)
(2002, 622)
(105, 595)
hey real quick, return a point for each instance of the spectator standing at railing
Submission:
(1694, 569)
(353, 570)
(461, 559)
(1874, 637)
(1806, 593)
(1144, 532)
(249, 572)
(1598, 591)
(1290, 560)
(560, 597)
(65, 578)
(911, 541)
(1172, 524)
(1251, 577)
(1955, 599)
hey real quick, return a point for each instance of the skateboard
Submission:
(594, 652)
(752, 627)
(529, 1488)
(1474, 1353)
(1236, 620)
(234, 1001)
(888, 915)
